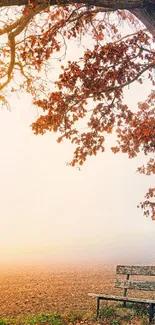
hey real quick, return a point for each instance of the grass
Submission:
(74, 317)
(118, 315)
(109, 315)
(42, 319)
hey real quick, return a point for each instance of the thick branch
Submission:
(9, 28)
(22, 23)
(121, 4)
(12, 62)
(147, 16)
(144, 10)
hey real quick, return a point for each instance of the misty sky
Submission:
(51, 212)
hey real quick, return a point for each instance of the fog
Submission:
(52, 213)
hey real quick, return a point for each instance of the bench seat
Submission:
(120, 298)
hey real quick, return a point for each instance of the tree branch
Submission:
(20, 25)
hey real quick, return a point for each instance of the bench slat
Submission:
(120, 298)
(135, 285)
(135, 270)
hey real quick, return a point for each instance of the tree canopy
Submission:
(32, 32)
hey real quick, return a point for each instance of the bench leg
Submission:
(151, 312)
(124, 303)
(98, 306)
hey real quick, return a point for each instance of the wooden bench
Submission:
(132, 284)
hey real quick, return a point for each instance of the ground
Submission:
(54, 290)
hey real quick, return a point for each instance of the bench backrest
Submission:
(135, 284)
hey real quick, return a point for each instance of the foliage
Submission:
(3, 322)
(72, 316)
(117, 314)
(42, 319)
(115, 322)
(53, 319)
(31, 37)
(110, 318)
(139, 309)
(108, 311)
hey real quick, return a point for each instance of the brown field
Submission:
(53, 289)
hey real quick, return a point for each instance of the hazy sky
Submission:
(51, 212)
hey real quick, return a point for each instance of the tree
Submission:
(143, 9)
(36, 30)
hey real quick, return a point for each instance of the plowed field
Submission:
(48, 290)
